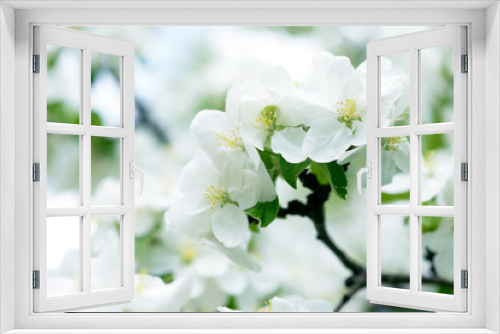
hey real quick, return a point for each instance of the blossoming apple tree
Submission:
(280, 128)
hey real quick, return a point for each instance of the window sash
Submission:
(86, 43)
(413, 298)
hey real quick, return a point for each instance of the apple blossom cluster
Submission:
(277, 126)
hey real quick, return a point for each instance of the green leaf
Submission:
(290, 171)
(318, 172)
(335, 175)
(388, 198)
(272, 163)
(266, 212)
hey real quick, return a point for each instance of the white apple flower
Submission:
(218, 134)
(153, 295)
(273, 108)
(290, 304)
(341, 91)
(343, 97)
(214, 200)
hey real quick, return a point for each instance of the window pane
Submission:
(437, 254)
(105, 94)
(63, 84)
(395, 249)
(395, 89)
(63, 171)
(63, 255)
(437, 84)
(105, 252)
(395, 170)
(437, 169)
(105, 171)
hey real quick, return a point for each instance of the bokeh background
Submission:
(178, 72)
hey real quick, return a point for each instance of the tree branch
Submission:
(314, 209)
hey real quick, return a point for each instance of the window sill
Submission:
(248, 331)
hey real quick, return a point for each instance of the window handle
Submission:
(368, 171)
(133, 170)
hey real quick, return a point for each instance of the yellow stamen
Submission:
(188, 252)
(229, 139)
(394, 142)
(349, 110)
(267, 307)
(216, 196)
(267, 118)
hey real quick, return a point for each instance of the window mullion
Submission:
(414, 171)
(85, 161)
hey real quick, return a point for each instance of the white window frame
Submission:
(16, 224)
(85, 43)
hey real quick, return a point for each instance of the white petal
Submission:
(326, 140)
(278, 80)
(198, 174)
(175, 294)
(206, 126)
(402, 157)
(320, 63)
(316, 305)
(230, 225)
(268, 190)
(252, 131)
(361, 69)
(400, 184)
(234, 282)
(288, 142)
(388, 169)
(359, 133)
(351, 155)
(303, 108)
(233, 99)
(211, 264)
(321, 60)
(252, 153)
(339, 72)
(354, 89)
(233, 173)
(191, 215)
(226, 309)
(247, 195)
(390, 93)
(401, 104)
(240, 92)
(236, 254)
(282, 305)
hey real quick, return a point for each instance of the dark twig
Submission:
(354, 283)
(146, 120)
(314, 209)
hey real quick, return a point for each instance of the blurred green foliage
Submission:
(62, 112)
